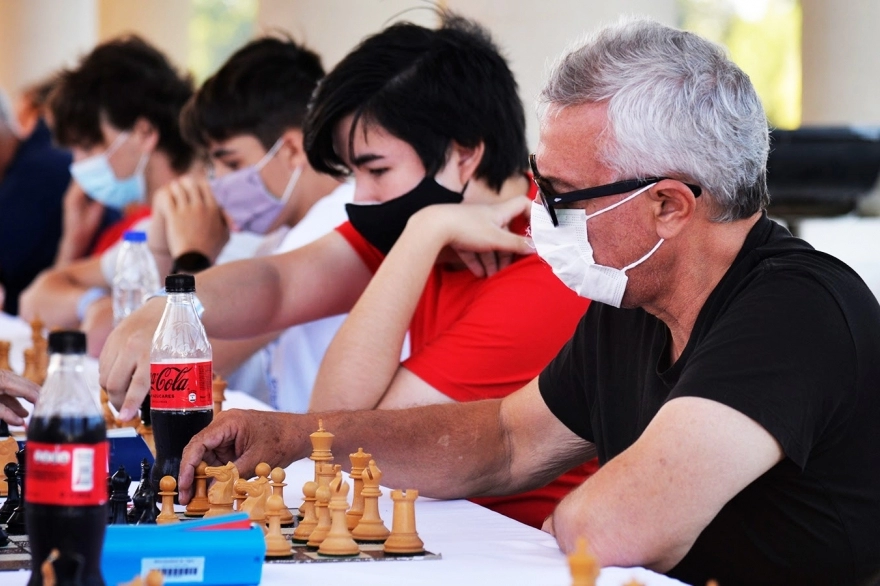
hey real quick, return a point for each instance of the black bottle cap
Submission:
(67, 342)
(180, 283)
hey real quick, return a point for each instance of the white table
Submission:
(478, 546)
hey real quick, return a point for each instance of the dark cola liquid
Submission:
(172, 430)
(75, 531)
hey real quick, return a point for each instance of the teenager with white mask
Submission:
(117, 112)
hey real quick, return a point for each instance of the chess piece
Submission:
(322, 501)
(277, 476)
(238, 495)
(13, 498)
(276, 544)
(218, 387)
(371, 529)
(4, 355)
(257, 492)
(198, 504)
(4, 429)
(16, 525)
(119, 483)
(322, 441)
(31, 368)
(148, 507)
(583, 565)
(220, 494)
(404, 540)
(135, 513)
(359, 461)
(4, 538)
(338, 541)
(310, 518)
(110, 420)
(8, 448)
(167, 492)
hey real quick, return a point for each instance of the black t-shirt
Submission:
(789, 337)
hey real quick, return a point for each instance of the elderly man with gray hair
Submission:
(726, 374)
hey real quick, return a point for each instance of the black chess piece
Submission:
(119, 483)
(13, 495)
(4, 429)
(4, 538)
(15, 525)
(134, 515)
(149, 508)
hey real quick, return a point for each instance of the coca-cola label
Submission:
(72, 475)
(181, 386)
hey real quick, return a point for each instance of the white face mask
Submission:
(567, 250)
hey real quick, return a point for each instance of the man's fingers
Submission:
(16, 386)
(8, 415)
(137, 390)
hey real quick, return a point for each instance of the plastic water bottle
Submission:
(136, 276)
(181, 395)
(66, 473)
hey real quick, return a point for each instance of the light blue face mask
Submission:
(96, 177)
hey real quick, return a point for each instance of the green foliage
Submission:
(217, 29)
(764, 38)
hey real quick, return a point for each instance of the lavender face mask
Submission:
(243, 195)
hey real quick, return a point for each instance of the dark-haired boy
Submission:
(248, 119)
(395, 113)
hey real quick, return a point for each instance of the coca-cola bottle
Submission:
(181, 399)
(66, 472)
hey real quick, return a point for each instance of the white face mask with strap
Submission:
(566, 248)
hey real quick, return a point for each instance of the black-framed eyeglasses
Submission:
(550, 198)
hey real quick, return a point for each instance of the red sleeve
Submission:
(113, 233)
(516, 324)
(371, 255)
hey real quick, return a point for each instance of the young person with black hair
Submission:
(248, 119)
(424, 120)
(117, 111)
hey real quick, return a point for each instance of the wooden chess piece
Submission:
(119, 483)
(326, 473)
(8, 448)
(276, 544)
(322, 502)
(5, 345)
(31, 368)
(359, 461)
(218, 388)
(149, 511)
(310, 518)
(371, 529)
(220, 494)
(277, 476)
(257, 494)
(338, 541)
(16, 524)
(404, 539)
(167, 492)
(110, 420)
(198, 504)
(135, 513)
(583, 565)
(322, 441)
(13, 498)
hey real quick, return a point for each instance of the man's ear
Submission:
(674, 204)
(293, 151)
(147, 134)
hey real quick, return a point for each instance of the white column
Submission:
(37, 37)
(841, 62)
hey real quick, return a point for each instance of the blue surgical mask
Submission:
(97, 179)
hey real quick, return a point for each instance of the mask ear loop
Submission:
(644, 258)
(621, 202)
(291, 183)
(271, 153)
(117, 142)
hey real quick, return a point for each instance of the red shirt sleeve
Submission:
(371, 255)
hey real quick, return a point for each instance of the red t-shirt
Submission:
(113, 233)
(477, 338)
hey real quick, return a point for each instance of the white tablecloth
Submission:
(477, 545)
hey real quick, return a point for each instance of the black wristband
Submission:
(190, 262)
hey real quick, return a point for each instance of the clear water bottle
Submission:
(181, 398)
(136, 276)
(66, 469)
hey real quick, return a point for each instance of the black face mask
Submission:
(382, 224)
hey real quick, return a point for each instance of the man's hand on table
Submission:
(124, 365)
(13, 387)
(244, 438)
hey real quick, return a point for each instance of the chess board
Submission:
(16, 555)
